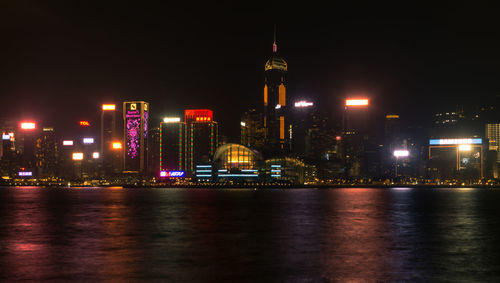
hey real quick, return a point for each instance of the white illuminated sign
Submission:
(455, 141)
(401, 153)
(303, 103)
(88, 140)
(171, 119)
(95, 155)
(243, 124)
(67, 143)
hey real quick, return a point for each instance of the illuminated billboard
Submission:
(133, 132)
(172, 174)
(401, 153)
(28, 125)
(464, 147)
(199, 115)
(25, 173)
(171, 119)
(455, 141)
(136, 115)
(95, 155)
(68, 142)
(5, 137)
(77, 156)
(303, 103)
(88, 140)
(108, 107)
(392, 116)
(116, 145)
(356, 102)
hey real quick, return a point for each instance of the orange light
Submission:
(356, 102)
(77, 156)
(108, 107)
(84, 123)
(28, 125)
(117, 145)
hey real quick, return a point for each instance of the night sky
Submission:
(61, 59)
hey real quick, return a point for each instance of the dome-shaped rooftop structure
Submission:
(276, 63)
(236, 156)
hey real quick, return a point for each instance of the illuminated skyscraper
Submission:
(46, 153)
(135, 134)
(202, 137)
(172, 151)
(275, 104)
(493, 136)
(251, 131)
(110, 158)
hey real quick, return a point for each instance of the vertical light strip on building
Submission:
(161, 142)
(282, 127)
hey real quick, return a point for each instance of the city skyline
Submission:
(78, 61)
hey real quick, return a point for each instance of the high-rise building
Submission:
(276, 122)
(201, 137)
(46, 153)
(110, 158)
(135, 134)
(251, 131)
(28, 133)
(493, 136)
(172, 151)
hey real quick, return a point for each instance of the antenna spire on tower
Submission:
(275, 46)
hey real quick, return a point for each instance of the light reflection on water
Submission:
(343, 235)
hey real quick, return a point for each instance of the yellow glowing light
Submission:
(77, 156)
(356, 102)
(107, 107)
(117, 145)
(465, 147)
(392, 116)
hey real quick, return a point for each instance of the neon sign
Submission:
(25, 173)
(172, 174)
(28, 125)
(356, 102)
(133, 126)
(108, 107)
(401, 153)
(171, 119)
(455, 141)
(69, 142)
(88, 140)
(303, 103)
(77, 156)
(84, 123)
(198, 115)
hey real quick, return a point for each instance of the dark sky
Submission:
(61, 59)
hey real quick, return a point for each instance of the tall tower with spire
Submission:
(275, 104)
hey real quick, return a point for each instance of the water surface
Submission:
(234, 235)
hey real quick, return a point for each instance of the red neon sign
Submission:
(84, 123)
(199, 115)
